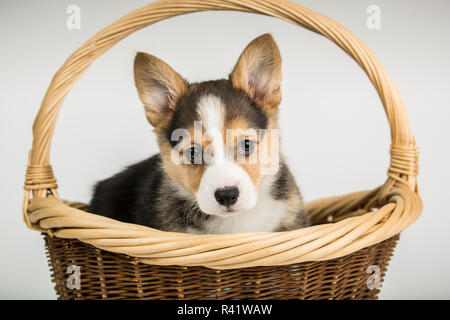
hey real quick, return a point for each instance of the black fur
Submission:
(127, 195)
(282, 186)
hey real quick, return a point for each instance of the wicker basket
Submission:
(329, 260)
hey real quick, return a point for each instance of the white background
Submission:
(335, 134)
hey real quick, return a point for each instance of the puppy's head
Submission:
(216, 137)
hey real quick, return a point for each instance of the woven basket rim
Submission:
(397, 201)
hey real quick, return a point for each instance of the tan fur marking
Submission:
(294, 204)
(187, 175)
(238, 128)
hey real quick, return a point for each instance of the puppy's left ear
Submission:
(258, 72)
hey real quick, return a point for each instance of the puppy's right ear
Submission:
(159, 87)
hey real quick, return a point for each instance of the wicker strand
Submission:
(40, 177)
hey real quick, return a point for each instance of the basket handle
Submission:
(40, 181)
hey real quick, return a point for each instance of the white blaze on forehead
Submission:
(211, 110)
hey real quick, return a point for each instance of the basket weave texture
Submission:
(112, 276)
(350, 231)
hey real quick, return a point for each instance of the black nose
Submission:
(227, 196)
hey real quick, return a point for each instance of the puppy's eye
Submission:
(246, 147)
(194, 155)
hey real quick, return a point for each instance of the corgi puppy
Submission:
(219, 169)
